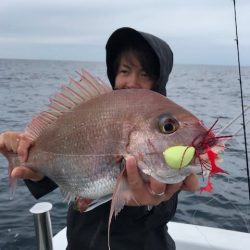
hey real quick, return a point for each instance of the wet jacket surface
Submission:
(134, 228)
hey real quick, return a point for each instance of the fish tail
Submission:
(13, 161)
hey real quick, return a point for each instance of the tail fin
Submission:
(13, 161)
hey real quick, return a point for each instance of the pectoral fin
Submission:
(121, 196)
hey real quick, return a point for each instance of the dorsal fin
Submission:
(70, 96)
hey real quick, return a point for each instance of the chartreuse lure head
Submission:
(178, 156)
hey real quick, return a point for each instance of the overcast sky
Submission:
(199, 31)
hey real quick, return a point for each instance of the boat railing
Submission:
(43, 227)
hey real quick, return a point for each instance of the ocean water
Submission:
(210, 92)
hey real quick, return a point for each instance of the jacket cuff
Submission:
(40, 188)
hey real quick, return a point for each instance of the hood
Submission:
(162, 50)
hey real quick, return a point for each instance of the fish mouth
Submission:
(209, 139)
(202, 142)
(208, 148)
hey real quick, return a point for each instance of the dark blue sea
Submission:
(210, 92)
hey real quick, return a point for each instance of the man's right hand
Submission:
(19, 142)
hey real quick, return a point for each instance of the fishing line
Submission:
(241, 94)
(234, 120)
(237, 132)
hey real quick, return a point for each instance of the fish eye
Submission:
(168, 125)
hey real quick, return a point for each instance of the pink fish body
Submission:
(81, 140)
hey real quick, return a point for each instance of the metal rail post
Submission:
(43, 226)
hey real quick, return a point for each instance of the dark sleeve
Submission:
(40, 188)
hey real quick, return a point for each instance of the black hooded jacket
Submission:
(135, 228)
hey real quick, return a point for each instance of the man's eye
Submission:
(144, 74)
(123, 71)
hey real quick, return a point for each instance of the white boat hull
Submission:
(190, 237)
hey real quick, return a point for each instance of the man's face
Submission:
(130, 75)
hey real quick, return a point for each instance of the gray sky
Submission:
(199, 31)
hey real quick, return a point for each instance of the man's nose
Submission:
(132, 81)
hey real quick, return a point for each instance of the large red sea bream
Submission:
(88, 129)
